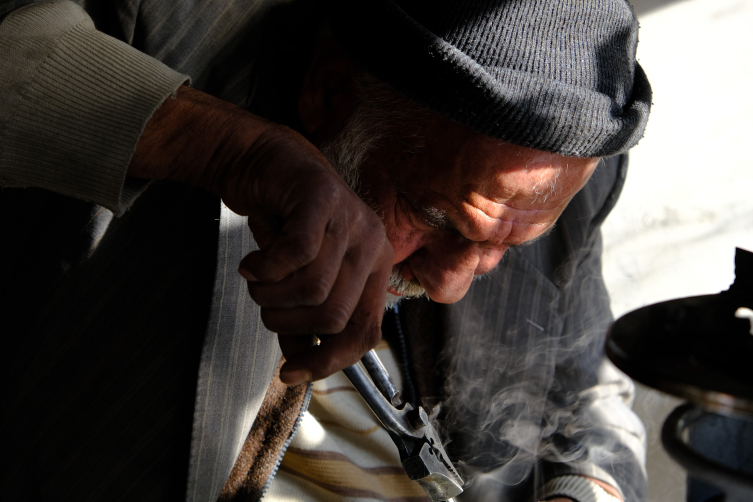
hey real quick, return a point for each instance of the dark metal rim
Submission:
(718, 402)
(696, 464)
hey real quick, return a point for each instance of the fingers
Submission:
(311, 285)
(339, 296)
(362, 333)
(288, 249)
(331, 315)
(323, 259)
(292, 346)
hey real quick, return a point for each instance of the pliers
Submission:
(421, 451)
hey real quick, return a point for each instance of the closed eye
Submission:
(438, 220)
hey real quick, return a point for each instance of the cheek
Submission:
(404, 237)
(404, 243)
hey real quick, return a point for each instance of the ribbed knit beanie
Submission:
(554, 75)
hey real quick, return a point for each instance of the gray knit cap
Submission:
(554, 75)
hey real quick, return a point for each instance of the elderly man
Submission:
(483, 122)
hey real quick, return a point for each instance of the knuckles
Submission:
(330, 320)
(301, 249)
(313, 291)
(372, 338)
(327, 320)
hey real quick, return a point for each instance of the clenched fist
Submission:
(323, 261)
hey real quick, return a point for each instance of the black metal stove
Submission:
(701, 349)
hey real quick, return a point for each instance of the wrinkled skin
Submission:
(324, 258)
(453, 209)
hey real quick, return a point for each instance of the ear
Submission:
(327, 97)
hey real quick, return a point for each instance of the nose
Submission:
(446, 270)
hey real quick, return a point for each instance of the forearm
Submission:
(193, 136)
(183, 137)
(73, 104)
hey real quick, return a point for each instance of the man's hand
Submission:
(324, 259)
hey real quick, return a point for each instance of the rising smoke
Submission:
(529, 394)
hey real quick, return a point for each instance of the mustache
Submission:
(405, 288)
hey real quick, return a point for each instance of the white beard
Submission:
(407, 289)
(391, 300)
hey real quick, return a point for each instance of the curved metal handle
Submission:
(737, 486)
(381, 378)
(418, 444)
(383, 410)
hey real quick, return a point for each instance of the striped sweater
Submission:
(341, 452)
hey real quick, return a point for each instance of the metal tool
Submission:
(418, 443)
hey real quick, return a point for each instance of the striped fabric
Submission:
(237, 364)
(103, 338)
(43, 87)
(341, 452)
(577, 488)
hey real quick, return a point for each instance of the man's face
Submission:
(453, 201)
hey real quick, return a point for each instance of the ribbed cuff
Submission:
(577, 488)
(74, 104)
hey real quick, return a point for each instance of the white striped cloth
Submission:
(341, 452)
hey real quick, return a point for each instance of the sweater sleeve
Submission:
(576, 488)
(73, 104)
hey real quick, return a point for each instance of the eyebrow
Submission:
(438, 218)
